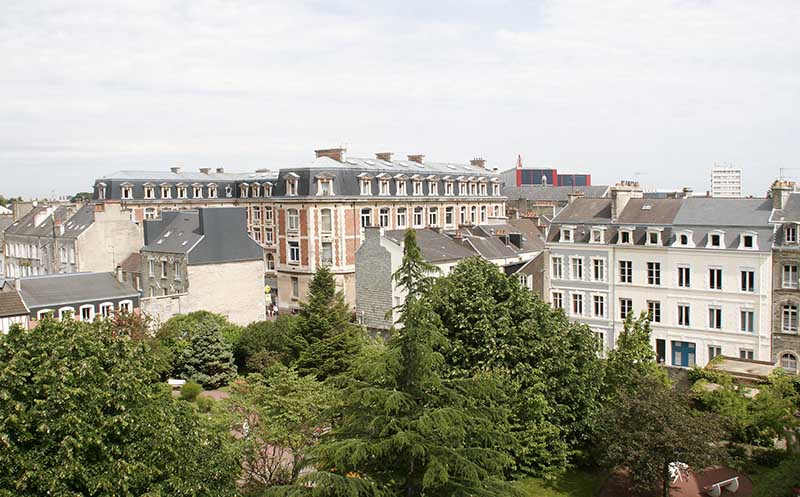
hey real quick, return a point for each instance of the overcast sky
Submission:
(615, 88)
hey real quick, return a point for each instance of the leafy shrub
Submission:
(204, 404)
(770, 458)
(190, 390)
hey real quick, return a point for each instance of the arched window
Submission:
(789, 362)
(270, 262)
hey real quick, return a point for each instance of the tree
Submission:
(280, 417)
(324, 323)
(207, 359)
(265, 343)
(81, 197)
(493, 324)
(650, 425)
(632, 358)
(83, 413)
(415, 275)
(176, 334)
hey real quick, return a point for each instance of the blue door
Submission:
(683, 354)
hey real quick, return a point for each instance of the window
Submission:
(295, 288)
(449, 216)
(293, 220)
(244, 190)
(270, 262)
(269, 236)
(291, 186)
(294, 252)
(325, 187)
(463, 216)
(566, 234)
(790, 233)
(577, 304)
(715, 240)
(597, 236)
(256, 215)
(473, 214)
(448, 188)
(256, 190)
(557, 266)
(151, 266)
(653, 273)
(748, 281)
(366, 186)
(383, 217)
(418, 216)
(384, 187)
(684, 315)
(683, 239)
(683, 354)
(523, 280)
(789, 276)
(212, 191)
(433, 188)
(101, 191)
(106, 309)
(748, 241)
(625, 307)
(197, 191)
(149, 192)
(625, 237)
(746, 354)
(788, 362)
(576, 268)
(401, 187)
(598, 269)
(747, 321)
(715, 279)
(626, 271)
(483, 214)
(433, 217)
(654, 310)
(462, 188)
(599, 302)
(149, 213)
(684, 277)
(496, 189)
(366, 217)
(789, 320)
(125, 306)
(267, 215)
(182, 192)
(163, 269)
(653, 237)
(327, 253)
(401, 217)
(558, 300)
(417, 187)
(87, 313)
(715, 318)
(714, 351)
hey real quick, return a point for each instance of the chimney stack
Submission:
(205, 170)
(621, 193)
(336, 154)
(416, 158)
(220, 170)
(780, 193)
(478, 162)
(686, 191)
(175, 170)
(572, 196)
(387, 156)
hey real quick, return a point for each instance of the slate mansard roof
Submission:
(53, 291)
(697, 216)
(552, 193)
(347, 176)
(74, 218)
(206, 236)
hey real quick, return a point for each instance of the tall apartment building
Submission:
(526, 176)
(726, 181)
(70, 238)
(701, 267)
(315, 213)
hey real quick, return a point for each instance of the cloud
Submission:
(665, 88)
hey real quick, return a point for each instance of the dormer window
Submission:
(244, 190)
(567, 234)
(366, 184)
(212, 190)
(448, 188)
(182, 191)
(625, 236)
(483, 189)
(256, 190)
(417, 187)
(229, 191)
(267, 189)
(716, 239)
(291, 184)
(496, 189)
(473, 189)
(433, 187)
(462, 188)
(401, 186)
(197, 191)
(101, 191)
(384, 187)
(747, 241)
(149, 191)
(598, 235)
(683, 239)
(653, 237)
(166, 191)
(127, 191)
(325, 185)
(790, 233)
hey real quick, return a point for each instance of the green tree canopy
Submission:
(176, 333)
(264, 343)
(493, 324)
(632, 358)
(82, 413)
(207, 359)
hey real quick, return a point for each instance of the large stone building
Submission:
(702, 268)
(315, 213)
(201, 259)
(70, 238)
(786, 289)
(516, 248)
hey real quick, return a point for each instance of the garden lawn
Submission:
(571, 484)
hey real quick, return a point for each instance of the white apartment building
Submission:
(726, 181)
(701, 267)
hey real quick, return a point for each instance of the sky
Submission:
(652, 90)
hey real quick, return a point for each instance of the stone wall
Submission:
(112, 237)
(783, 342)
(373, 282)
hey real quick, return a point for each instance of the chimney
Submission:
(205, 170)
(59, 226)
(387, 156)
(175, 170)
(336, 154)
(416, 158)
(18, 284)
(478, 162)
(780, 193)
(119, 274)
(686, 191)
(220, 170)
(621, 193)
(572, 196)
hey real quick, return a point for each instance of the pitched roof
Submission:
(717, 211)
(553, 193)
(11, 303)
(791, 210)
(74, 218)
(586, 210)
(434, 246)
(132, 263)
(650, 211)
(73, 288)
